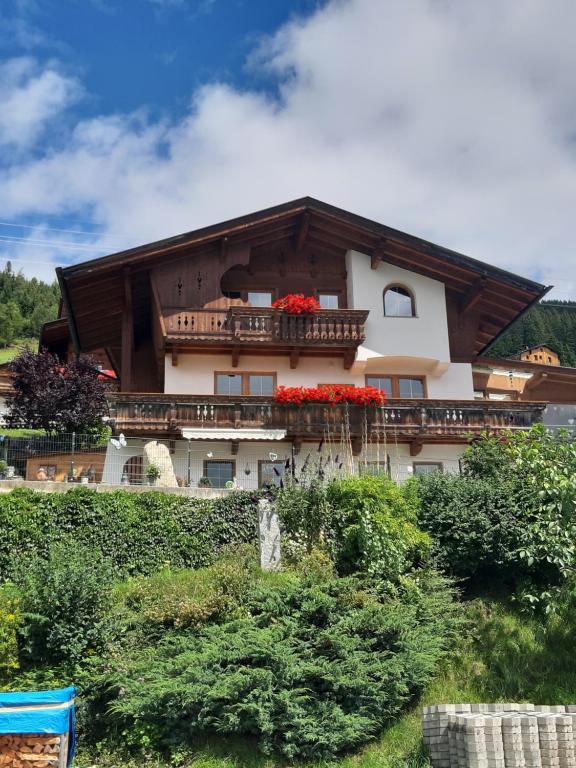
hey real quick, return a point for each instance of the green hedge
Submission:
(138, 533)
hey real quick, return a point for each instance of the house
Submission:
(188, 326)
(542, 354)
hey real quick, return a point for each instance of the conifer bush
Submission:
(316, 666)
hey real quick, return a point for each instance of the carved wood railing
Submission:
(404, 418)
(343, 327)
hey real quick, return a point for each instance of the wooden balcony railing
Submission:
(328, 327)
(404, 419)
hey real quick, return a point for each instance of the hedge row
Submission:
(139, 533)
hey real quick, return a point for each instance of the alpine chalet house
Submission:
(189, 327)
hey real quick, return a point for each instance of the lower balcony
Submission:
(406, 421)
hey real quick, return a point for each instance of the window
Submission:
(260, 298)
(228, 384)
(374, 468)
(408, 387)
(329, 300)
(219, 472)
(261, 384)
(380, 382)
(270, 472)
(257, 384)
(398, 302)
(399, 386)
(426, 467)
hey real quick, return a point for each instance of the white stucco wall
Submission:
(250, 453)
(425, 335)
(194, 374)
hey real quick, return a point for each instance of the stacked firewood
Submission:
(30, 751)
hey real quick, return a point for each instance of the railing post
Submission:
(72, 451)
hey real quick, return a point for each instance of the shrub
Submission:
(317, 666)
(513, 512)
(138, 533)
(65, 600)
(476, 526)
(188, 598)
(10, 623)
(374, 525)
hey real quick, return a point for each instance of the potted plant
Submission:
(204, 482)
(152, 474)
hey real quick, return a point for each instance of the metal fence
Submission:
(88, 460)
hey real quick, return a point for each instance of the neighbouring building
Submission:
(541, 354)
(187, 325)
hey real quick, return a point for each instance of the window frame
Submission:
(395, 379)
(261, 463)
(245, 375)
(336, 293)
(232, 462)
(438, 464)
(410, 293)
(271, 291)
(384, 466)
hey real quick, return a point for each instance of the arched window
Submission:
(133, 470)
(398, 302)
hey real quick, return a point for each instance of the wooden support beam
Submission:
(235, 356)
(349, 357)
(127, 334)
(175, 356)
(474, 295)
(303, 231)
(294, 357)
(234, 446)
(224, 243)
(296, 445)
(377, 254)
(537, 379)
(416, 446)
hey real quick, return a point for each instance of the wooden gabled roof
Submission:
(94, 291)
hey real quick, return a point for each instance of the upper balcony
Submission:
(240, 328)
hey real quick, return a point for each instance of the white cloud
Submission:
(453, 120)
(29, 99)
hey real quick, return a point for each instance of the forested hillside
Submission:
(551, 322)
(25, 304)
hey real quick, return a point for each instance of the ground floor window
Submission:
(219, 472)
(270, 472)
(427, 467)
(375, 468)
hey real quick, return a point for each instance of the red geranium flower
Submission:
(332, 393)
(298, 304)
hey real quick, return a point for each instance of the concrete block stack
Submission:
(500, 735)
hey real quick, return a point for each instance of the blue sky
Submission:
(124, 121)
(130, 53)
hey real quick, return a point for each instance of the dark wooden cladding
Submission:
(247, 325)
(401, 420)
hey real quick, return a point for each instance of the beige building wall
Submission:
(194, 374)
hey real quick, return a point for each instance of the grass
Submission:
(9, 353)
(504, 656)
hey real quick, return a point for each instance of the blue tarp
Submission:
(39, 712)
